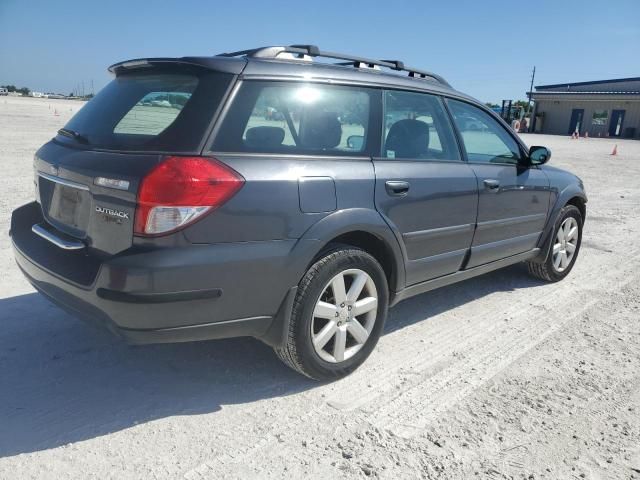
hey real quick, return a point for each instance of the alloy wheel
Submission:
(344, 315)
(566, 244)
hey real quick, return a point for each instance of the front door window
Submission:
(485, 140)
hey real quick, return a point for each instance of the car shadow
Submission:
(62, 381)
(430, 304)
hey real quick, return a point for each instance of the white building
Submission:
(605, 108)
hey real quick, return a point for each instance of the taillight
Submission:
(181, 189)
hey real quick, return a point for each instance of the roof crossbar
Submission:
(302, 51)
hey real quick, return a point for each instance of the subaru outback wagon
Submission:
(283, 193)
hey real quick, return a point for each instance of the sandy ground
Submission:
(497, 377)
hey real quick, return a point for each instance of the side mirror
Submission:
(539, 155)
(355, 142)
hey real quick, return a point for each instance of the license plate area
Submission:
(65, 205)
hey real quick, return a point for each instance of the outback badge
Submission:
(112, 213)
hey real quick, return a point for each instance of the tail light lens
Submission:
(180, 190)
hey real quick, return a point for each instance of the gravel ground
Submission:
(498, 377)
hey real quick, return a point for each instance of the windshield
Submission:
(150, 111)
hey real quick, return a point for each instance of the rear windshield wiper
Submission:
(73, 134)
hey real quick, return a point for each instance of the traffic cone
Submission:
(615, 150)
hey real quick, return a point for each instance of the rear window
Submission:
(151, 111)
(298, 118)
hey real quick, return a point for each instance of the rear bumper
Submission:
(164, 295)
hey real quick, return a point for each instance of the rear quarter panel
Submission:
(268, 206)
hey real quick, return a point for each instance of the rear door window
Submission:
(416, 127)
(275, 117)
(158, 110)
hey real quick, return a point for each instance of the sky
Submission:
(486, 48)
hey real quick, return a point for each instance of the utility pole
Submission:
(533, 75)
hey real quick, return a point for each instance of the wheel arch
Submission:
(581, 203)
(360, 227)
(371, 244)
(571, 195)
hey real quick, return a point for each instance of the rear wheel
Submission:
(337, 316)
(567, 237)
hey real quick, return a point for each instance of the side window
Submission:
(485, 140)
(275, 117)
(417, 127)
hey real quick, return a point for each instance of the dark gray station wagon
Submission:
(284, 193)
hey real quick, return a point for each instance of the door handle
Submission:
(397, 188)
(492, 185)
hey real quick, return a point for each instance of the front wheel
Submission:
(338, 315)
(567, 238)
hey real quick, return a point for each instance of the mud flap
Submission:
(276, 336)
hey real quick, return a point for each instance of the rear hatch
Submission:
(87, 177)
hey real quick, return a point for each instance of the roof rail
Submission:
(306, 51)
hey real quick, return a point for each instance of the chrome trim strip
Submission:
(505, 222)
(63, 181)
(57, 241)
(438, 257)
(483, 247)
(422, 235)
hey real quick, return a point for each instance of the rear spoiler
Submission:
(218, 64)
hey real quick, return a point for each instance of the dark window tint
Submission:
(274, 117)
(485, 140)
(417, 127)
(155, 110)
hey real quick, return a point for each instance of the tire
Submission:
(318, 312)
(550, 270)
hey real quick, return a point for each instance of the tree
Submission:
(12, 88)
(492, 105)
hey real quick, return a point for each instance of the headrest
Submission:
(320, 130)
(264, 137)
(408, 138)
